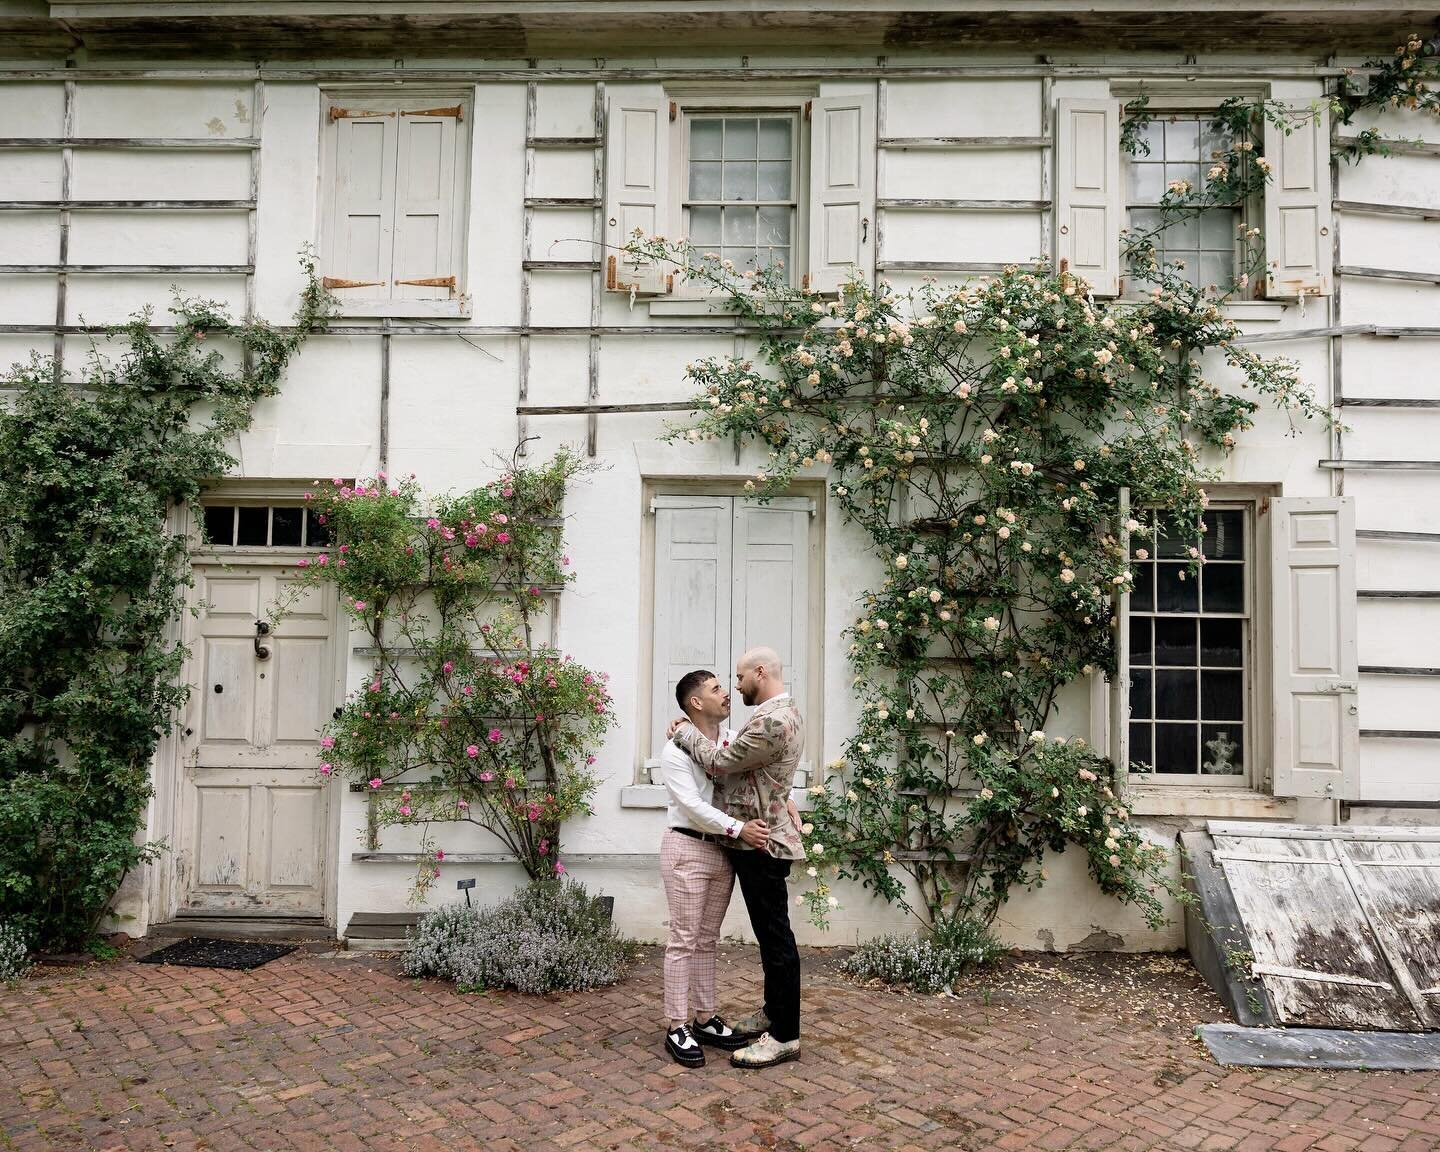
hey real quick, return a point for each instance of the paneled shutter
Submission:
(425, 208)
(1089, 205)
(842, 190)
(771, 582)
(637, 163)
(363, 214)
(693, 587)
(1314, 661)
(1298, 245)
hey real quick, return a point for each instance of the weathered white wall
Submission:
(452, 410)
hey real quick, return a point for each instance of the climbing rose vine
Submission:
(467, 718)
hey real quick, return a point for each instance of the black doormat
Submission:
(200, 952)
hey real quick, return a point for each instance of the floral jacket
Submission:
(756, 769)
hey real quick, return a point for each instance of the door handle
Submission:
(261, 629)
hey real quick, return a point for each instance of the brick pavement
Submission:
(316, 1052)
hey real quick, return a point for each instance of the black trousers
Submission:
(767, 899)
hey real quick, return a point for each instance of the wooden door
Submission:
(253, 834)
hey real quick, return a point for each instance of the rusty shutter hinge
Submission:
(674, 111)
(337, 113)
(335, 282)
(431, 282)
(456, 110)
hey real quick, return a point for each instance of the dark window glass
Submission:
(1176, 589)
(1224, 535)
(1140, 744)
(1142, 599)
(1222, 696)
(1224, 587)
(1175, 641)
(254, 528)
(1220, 643)
(285, 527)
(1169, 547)
(1175, 748)
(317, 535)
(1224, 749)
(220, 524)
(1140, 640)
(1140, 681)
(1175, 695)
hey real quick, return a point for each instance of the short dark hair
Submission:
(689, 684)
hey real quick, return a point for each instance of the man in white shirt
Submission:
(698, 877)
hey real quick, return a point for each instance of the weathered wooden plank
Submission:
(1236, 1046)
(1248, 829)
(1311, 974)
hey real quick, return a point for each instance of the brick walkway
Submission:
(317, 1052)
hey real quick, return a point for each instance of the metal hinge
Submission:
(431, 282)
(335, 282)
(456, 110)
(356, 114)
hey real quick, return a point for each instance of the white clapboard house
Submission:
(464, 171)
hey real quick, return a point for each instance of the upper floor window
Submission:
(395, 181)
(265, 526)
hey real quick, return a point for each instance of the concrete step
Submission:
(379, 931)
(277, 929)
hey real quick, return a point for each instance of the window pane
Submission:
(1175, 748)
(705, 138)
(1181, 232)
(1182, 140)
(775, 226)
(1140, 751)
(1217, 270)
(1224, 749)
(285, 527)
(1176, 589)
(1188, 172)
(1153, 136)
(317, 535)
(1215, 139)
(739, 139)
(1140, 640)
(1224, 587)
(780, 256)
(704, 181)
(774, 180)
(1222, 696)
(1175, 642)
(1218, 229)
(1224, 535)
(705, 226)
(775, 139)
(220, 524)
(1170, 546)
(1175, 695)
(1142, 598)
(1140, 685)
(1220, 643)
(740, 226)
(1147, 185)
(254, 527)
(739, 181)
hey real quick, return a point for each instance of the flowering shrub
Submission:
(503, 729)
(548, 937)
(92, 579)
(926, 964)
(982, 437)
(14, 955)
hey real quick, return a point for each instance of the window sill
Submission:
(1255, 310)
(404, 309)
(1216, 803)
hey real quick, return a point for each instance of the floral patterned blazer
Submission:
(756, 769)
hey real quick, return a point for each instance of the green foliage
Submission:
(981, 436)
(1406, 81)
(956, 946)
(468, 716)
(550, 936)
(92, 579)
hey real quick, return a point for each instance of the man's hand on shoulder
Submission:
(675, 726)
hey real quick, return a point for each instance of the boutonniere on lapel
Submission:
(724, 743)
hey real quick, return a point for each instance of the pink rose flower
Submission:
(326, 769)
(327, 741)
(375, 783)
(472, 751)
(495, 736)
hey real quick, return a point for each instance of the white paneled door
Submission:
(253, 815)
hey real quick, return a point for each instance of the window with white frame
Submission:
(1183, 145)
(395, 182)
(741, 186)
(1191, 652)
(239, 525)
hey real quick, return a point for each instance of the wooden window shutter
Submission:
(1314, 660)
(1119, 698)
(361, 221)
(1089, 203)
(842, 191)
(692, 598)
(637, 164)
(425, 209)
(1298, 244)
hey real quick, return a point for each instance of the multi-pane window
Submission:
(1190, 667)
(740, 192)
(1183, 146)
(264, 526)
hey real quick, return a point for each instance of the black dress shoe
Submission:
(683, 1047)
(718, 1034)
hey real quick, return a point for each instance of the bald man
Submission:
(757, 769)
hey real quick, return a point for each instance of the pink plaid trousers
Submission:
(698, 881)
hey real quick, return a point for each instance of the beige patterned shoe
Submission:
(765, 1052)
(753, 1025)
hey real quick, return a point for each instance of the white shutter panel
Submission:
(842, 190)
(772, 589)
(637, 163)
(1314, 662)
(1119, 743)
(425, 207)
(1298, 245)
(362, 217)
(1089, 205)
(692, 599)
